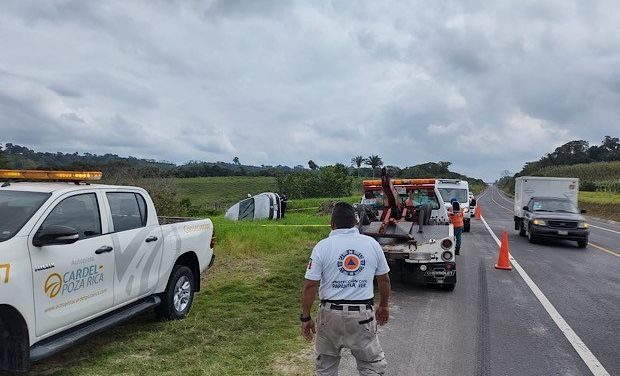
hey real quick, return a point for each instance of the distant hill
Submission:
(20, 157)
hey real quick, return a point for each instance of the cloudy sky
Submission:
(487, 85)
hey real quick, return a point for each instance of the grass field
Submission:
(244, 321)
(218, 193)
(601, 204)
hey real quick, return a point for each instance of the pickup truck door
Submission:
(139, 241)
(72, 282)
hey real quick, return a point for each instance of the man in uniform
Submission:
(343, 268)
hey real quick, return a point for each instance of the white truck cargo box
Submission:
(527, 187)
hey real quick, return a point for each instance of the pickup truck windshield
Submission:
(449, 193)
(551, 205)
(16, 208)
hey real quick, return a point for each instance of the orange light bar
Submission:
(369, 183)
(50, 175)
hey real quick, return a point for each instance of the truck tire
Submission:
(582, 243)
(466, 226)
(176, 301)
(521, 229)
(531, 238)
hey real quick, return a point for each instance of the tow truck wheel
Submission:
(582, 243)
(176, 301)
(466, 226)
(521, 229)
(448, 286)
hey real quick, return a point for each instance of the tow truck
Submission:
(76, 259)
(412, 227)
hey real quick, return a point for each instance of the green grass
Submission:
(244, 321)
(218, 193)
(597, 171)
(601, 204)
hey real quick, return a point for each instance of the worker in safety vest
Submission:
(343, 267)
(456, 218)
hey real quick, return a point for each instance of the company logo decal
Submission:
(7, 270)
(73, 280)
(351, 262)
(53, 284)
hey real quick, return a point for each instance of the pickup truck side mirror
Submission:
(526, 208)
(55, 235)
(583, 211)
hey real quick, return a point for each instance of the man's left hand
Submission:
(308, 329)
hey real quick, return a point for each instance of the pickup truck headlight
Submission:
(584, 225)
(539, 222)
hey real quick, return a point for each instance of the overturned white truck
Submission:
(408, 218)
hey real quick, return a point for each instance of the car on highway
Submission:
(457, 189)
(555, 218)
(76, 259)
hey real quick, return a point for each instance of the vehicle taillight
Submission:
(446, 244)
(212, 245)
(447, 255)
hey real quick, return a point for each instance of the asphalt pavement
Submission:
(494, 324)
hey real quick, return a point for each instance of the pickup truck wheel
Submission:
(531, 238)
(176, 301)
(466, 226)
(521, 229)
(582, 243)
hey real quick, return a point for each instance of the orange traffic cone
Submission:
(477, 213)
(503, 261)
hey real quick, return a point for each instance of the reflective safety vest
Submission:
(456, 218)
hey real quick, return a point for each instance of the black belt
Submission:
(353, 305)
(366, 301)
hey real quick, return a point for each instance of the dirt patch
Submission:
(300, 363)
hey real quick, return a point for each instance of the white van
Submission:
(458, 189)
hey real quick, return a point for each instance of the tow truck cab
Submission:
(459, 190)
(76, 259)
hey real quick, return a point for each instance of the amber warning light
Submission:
(50, 175)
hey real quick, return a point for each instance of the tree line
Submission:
(574, 152)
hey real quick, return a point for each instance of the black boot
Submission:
(456, 251)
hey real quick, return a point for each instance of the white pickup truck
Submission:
(76, 259)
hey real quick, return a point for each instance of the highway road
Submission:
(528, 321)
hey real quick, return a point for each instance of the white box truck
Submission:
(546, 207)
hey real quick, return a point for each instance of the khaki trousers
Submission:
(355, 330)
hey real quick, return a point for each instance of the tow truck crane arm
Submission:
(393, 210)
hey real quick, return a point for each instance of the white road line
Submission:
(505, 198)
(605, 229)
(482, 195)
(584, 352)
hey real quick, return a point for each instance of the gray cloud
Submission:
(485, 85)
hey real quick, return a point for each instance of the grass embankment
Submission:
(601, 204)
(244, 321)
(219, 193)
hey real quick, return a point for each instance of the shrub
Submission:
(328, 181)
